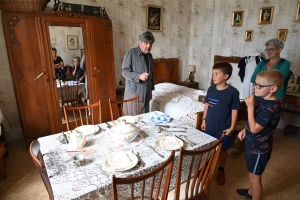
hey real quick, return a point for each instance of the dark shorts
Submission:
(256, 163)
(226, 141)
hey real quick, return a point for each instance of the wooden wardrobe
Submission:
(32, 68)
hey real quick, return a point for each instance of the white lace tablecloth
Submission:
(178, 101)
(91, 181)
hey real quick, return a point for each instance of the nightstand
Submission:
(194, 84)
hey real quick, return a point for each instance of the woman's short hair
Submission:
(54, 49)
(147, 36)
(275, 42)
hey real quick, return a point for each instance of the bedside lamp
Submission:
(192, 69)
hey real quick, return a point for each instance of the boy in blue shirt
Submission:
(261, 124)
(220, 112)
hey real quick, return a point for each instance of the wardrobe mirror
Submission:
(69, 45)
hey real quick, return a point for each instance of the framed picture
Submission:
(237, 18)
(281, 34)
(297, 18)
(72, 42)
(249, 35)
(154, 18)
(266, 15)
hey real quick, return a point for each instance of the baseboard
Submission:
(13, 134)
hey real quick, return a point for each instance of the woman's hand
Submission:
(227, 132)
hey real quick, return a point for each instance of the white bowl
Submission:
(124, 132)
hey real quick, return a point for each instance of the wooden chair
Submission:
(158, 178)
(201, 166)
(81, 115)
(124, 107)
(69, 93)
(38, 161)
(199, 120)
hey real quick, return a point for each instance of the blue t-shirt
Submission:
(267, 114)
(221, 103)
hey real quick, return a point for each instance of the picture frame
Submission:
(72, 41)
(237, 18)
(281, 34)
(249, 35)
(154, 18)
(297, 17)
(266, 15)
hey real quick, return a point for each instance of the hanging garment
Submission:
(247, 66)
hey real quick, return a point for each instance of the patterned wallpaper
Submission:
(58, 38)
(193, 30)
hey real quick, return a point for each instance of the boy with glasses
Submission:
(258, 133)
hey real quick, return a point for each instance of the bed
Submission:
(178, 101)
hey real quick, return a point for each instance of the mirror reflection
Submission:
(69, 66)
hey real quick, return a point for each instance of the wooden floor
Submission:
(281, 179)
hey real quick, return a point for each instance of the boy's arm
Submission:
(203, 125)
(254, 127)
(234, 115)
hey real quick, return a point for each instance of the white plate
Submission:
(87, 129)
(129, 119)
(169, 143)
(120, 161)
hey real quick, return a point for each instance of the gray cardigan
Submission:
(133, 65)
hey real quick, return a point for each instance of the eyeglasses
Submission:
(258, 86)
(269, 50)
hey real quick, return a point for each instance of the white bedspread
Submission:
(175, 100)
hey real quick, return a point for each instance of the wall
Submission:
(212, 34)
(193, 30)
(58, 40)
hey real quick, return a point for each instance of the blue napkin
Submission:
(158, 117)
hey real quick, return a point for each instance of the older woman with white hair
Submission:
(273, 49)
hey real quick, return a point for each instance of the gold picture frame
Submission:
(237, 18)
(281, 34)
(154, 18)
(266, 15)
(72, 41)
(297, 17)
(249, 35)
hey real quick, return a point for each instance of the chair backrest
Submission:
(83, 115)
(69, 92)
(124, 107)
(38, 161)
(201, 165)
(155, 182)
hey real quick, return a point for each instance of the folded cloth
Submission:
(170, 143)
(159, 117)
(4, 122)
(119, 161)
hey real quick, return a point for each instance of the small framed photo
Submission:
(281, 34)
(249, 35)
(154, 18)
(297, 18)
(72, 41)
(237, 18)
(266, 15)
